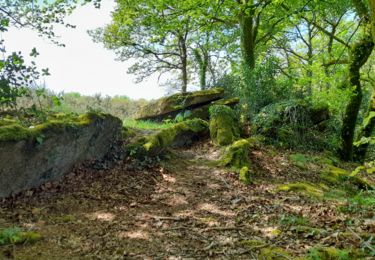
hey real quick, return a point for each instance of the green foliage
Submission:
(155, 144)
(361, 202)
(293, 220)
(16, 236)
(294, 124)
(329, 253)
(146, 125)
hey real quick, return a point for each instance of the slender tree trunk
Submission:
(246, 19)
(360, 53)
(183, 49)
(310, 59)
(366, 130)
(202, 59)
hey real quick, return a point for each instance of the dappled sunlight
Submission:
(270, 231)
(101, 216)
(212, 208)
(168, 178)
(176, 200)
(135, 234)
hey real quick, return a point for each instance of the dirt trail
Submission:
(184, 210)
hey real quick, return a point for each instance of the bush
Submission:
(294, 124)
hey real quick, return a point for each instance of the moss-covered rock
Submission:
(224, 128)
(236, 155)
(302, 187)
(55, 123)
(178, 135)
(170, 106)
(337, 176)
(31, 156)
(245, 175)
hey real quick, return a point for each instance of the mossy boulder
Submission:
(169, 107)
(178, 135)
(224, 128)
(304, 188)
(31, 156)
(236, 155)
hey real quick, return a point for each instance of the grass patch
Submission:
(331, 253)
(15, 236)
(145, 125)
(361, 202)
(293, 220)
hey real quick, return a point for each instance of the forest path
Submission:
(185, 209)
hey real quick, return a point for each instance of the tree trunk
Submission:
(360, 53)
(372, 17)
(366, 130)
(183, 49)
(202, 58)
(246, 19)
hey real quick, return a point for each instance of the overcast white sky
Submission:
(82, 66)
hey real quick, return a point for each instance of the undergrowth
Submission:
(146, 125)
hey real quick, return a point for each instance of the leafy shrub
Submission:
(17, 236)
(294, 124)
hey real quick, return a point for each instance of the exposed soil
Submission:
(184, 209)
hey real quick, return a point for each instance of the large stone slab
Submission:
(48, 152)
(170, 106)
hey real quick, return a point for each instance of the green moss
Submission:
(274, 253)
(305, 188)
(236, 155)
(14, 133)
(223, 125)
(300, 160)
(55, 123)
(338, 176)
(245, 175)
(17, 236)
(7, 121)
(253, 244)
(331, 253)
(166, 136)
(154, 144)
(178, 102)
